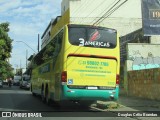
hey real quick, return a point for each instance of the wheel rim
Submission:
(42, 96)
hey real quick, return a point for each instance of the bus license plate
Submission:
(93, 88)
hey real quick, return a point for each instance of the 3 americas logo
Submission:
(93, 40)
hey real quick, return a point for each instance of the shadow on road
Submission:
(16, 99)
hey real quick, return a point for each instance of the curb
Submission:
(114, 106)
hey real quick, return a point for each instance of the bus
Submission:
(81, 63)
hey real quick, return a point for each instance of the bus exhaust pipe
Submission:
(111, 97)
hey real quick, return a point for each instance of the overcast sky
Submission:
(27, 19)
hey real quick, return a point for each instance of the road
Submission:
(18, 100)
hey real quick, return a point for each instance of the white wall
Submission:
(126, 19)
(97, 8)
(64, 6)
(155, 39)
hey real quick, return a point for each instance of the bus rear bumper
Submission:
(85, 94)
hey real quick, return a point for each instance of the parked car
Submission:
(5, 82)
(16, 80)
(25, 82)
(1, 83)
(28, 85)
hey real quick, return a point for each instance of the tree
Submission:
(5, 50)
(5, 41)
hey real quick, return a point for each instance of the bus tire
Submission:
(48, 101)
(43, 98)
(33, 94)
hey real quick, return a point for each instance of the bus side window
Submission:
(49, 50)
(58, 43)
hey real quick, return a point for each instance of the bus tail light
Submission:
(64, 76)
(117, 79)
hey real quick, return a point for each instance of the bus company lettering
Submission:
(95, 63)
(93, 43)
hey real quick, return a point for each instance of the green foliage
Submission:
(5, 41)
(5, 26)
(5, 49)
(5, 69)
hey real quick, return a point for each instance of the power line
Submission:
(107, 12)
(112, 11)
(94, 10)
(104, 11)
(77, 10)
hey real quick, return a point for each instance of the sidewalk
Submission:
(133, 107)
(126, 103)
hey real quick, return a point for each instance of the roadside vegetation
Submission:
(5, 51)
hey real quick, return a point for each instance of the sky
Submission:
(27, 19)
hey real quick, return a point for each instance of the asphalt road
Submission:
(19, 100)
(16, 99)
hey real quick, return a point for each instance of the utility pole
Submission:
(38, 42)
(20, 64)
(26, 58)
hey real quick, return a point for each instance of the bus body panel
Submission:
(85, 94)
(87, 71)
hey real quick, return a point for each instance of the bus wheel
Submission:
(33, 94)
(48, 101)
(43, 96)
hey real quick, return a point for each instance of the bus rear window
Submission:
(88, 36)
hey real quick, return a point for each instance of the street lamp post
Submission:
(27, 51)
(27, 45)
(26, 58)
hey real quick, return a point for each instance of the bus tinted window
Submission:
(88, 36)
(51, 50)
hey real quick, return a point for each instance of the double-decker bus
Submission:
(80, 63)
